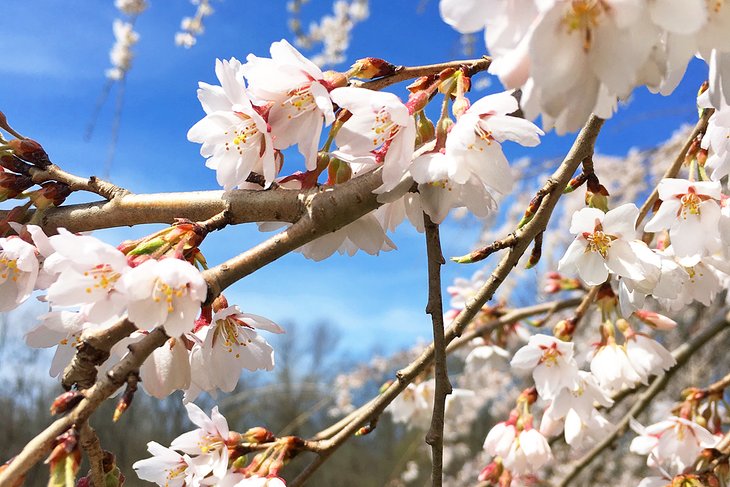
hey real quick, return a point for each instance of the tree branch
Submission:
(442, 388)
(403, 73)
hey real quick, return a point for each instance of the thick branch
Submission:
(682, 355)
(582, 148)
(442, 388)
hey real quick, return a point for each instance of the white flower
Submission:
(647, 356)
(691, 213)
(88, 271)
(299, 94)
(439, 194)
(167, 369)
(473, 145)
(165, 292)
(167, 468)
(612, 368)
(60, 329)
(552, 363)
(207, 443)
(673, 443)
(379, 122)
(365, 234)
(605, 242)
(500, 438)
(228, 345)
(18, 271)
(527, 453)
(235, 138)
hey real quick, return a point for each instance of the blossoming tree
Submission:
(153, 310)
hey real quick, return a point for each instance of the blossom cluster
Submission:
(572, 58)
(266, 105)
(90, 285)
(209, 455)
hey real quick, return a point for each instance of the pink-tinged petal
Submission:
(585, 220)
(665, 216)
(592, 268)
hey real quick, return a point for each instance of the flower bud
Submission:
(564, 329)
(14, 163)
(31, 151)
(65, 402)
(51, 194)
(425, 129)
(371, 67)
(11, 185)
(179, 241)
(575, 183)
(257, 435)
(655, 320)
(491, 472)
(334, 79)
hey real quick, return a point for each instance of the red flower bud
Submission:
(31, 151)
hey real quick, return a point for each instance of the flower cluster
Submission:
(574, 57)
(212, 454)
(90, 285)
(266, 105)
(192, 27)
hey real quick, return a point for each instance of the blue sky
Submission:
(52, 72)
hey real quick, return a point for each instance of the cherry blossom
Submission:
(473, 146)
(691, 213)
(647, 356)
(207, 443)
(552, 364)
(673, 443)
(611, 366)
(298, 93)
(229, 344)
(87, 273)
(18, 271)
(235, 137)
(522, 452)
(439, 194)
(165, 292)
(167, 468)
(605, 242)
(379, 122)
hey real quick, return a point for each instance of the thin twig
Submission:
(672, 170)
(92, 184)
(682, 356)
(442, 388)
(89, 441)
(403, 73)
